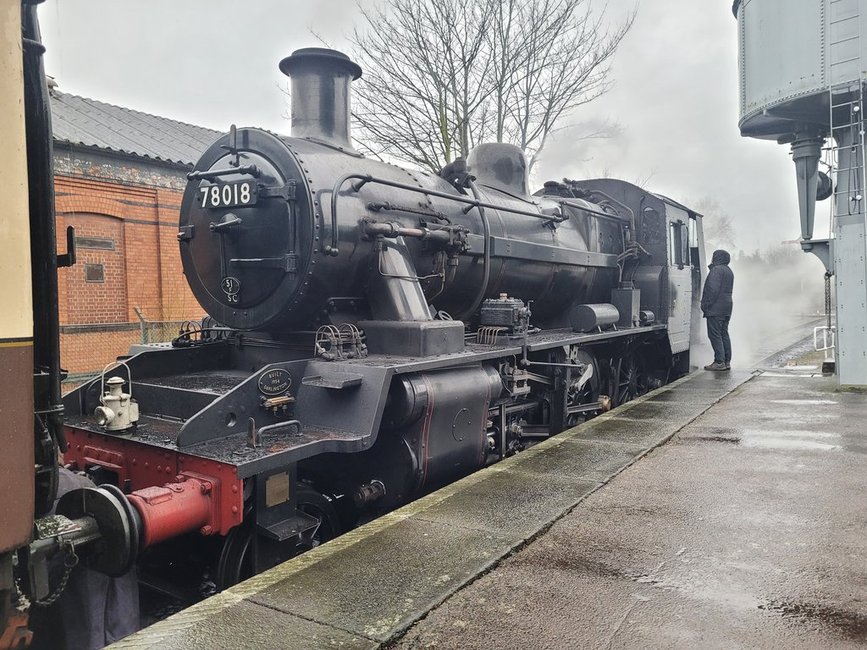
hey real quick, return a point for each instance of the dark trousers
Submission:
(718, 333)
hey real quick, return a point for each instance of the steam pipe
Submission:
(216, 173)
(40, 172)
(364, 179)
(399, 295)
(610, 198)
(596, 213)
(486, 257)
(392, 230)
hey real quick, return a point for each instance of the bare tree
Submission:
(444, 75)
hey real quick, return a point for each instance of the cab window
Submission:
(678, 243)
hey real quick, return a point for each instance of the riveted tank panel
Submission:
(791, 53)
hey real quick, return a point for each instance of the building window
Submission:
(94, 273)
(99, 243)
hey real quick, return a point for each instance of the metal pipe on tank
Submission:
(806, 152)
(320, 94)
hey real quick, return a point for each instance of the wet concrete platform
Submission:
(748, 529)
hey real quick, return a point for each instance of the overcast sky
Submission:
(675, 98)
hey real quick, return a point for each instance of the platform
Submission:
(747, 529)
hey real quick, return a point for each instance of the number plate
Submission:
(228, 195)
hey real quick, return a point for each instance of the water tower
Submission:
(802, 75)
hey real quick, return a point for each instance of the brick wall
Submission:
(127, 256)
(96, 286)
(88, 352)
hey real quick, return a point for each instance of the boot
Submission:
(716, 365)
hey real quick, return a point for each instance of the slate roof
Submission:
(82, 121)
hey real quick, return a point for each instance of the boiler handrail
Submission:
(332, 248)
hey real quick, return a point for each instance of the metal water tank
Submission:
(791, 52)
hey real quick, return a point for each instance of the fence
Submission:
(86, 349)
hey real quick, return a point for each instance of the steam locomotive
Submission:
(374, 332)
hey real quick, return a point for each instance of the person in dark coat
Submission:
(716, 305)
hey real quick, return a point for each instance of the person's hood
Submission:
(720, 257)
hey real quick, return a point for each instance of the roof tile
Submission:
(79, 120)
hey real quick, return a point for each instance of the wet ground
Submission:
(747, 529)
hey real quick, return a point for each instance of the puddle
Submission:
(732, 440)
(804, 402)
(789, 375)
(850, 624)
(779, 443)
(770, 439)
(790, 433)
(790, 440)
(581, 565)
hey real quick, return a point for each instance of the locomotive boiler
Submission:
(374, 332)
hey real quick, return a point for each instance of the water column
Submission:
(802, 65)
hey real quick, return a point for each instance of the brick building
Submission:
(119, 179)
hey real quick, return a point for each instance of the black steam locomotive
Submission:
(375, 332)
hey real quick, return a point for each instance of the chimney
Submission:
(320, 94)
